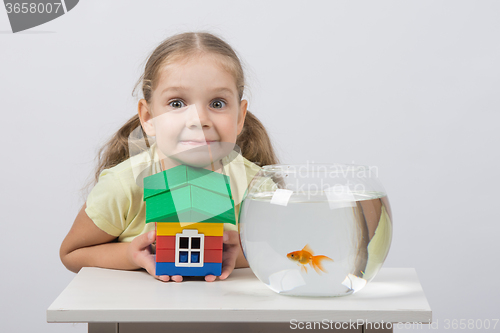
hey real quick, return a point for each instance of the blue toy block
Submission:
(168, 268)
(183, 256)
(195, 257)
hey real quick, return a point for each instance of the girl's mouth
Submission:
(196, 143)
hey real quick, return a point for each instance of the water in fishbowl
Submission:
(313, 246)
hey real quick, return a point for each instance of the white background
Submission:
(412, 87)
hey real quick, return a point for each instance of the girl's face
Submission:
(195, 112)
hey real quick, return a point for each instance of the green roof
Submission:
(188, 194)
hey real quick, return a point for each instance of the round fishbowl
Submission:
(315, 229)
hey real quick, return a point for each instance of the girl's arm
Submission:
(88, 246)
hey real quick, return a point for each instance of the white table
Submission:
(124, 301)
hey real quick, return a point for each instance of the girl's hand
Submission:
(139, 253)
(231, 250)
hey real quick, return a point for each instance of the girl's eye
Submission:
(218, 104)
(177, 104)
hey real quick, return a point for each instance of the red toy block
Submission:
(165, 255)
(213, 256)
(165, 242)
(213, 243)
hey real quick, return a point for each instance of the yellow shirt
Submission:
(116, 203)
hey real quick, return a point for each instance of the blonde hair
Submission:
(253, 140)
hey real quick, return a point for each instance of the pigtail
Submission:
(255, 143)
(116, 150)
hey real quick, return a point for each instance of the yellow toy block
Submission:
(171, 229)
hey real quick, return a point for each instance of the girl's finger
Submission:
(144, 240)
(210, 278)
(231, 237)
(228, 269)
(149, 266)
(229, 261)
(176, 278)
(163, 278)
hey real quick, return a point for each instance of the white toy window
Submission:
(189, 248)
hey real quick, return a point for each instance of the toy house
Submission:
(189, 206)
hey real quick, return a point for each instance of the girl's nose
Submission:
(197, 117)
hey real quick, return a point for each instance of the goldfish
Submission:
(306, 256)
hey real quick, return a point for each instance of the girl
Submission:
(193, 87)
